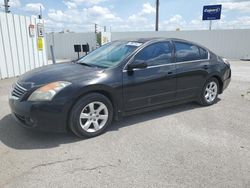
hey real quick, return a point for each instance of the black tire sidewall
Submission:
(74, 123)
(203, 101)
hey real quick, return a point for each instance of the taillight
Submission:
(226, 61)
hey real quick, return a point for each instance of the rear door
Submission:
(153, 85)
(192, 66)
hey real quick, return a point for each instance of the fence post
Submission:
(52, 54)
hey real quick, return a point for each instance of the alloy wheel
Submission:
(211, 92)
(94, 116)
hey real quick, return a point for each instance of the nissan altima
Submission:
(118, 79)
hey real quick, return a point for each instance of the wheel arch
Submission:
(219, 79)
(100, 90)
(103, 92)
(220, 83)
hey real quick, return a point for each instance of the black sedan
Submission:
(118, 79)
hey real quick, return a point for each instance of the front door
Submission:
(153, 85)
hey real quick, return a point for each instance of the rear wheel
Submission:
(91, 115)
(209, 92)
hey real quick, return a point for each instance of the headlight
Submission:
(47, 92)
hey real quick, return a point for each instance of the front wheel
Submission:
(91, 115)
(209, 92)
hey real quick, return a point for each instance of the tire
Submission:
(91, 115)
(209, 93)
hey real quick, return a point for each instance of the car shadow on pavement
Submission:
(17, 137)
(146, 116)
(154, 114)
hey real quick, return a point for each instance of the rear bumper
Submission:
(227, 80)
(44, 116)
(226, 83)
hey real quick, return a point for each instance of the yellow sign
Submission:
(40, 43)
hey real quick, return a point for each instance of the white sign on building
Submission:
(40, 30)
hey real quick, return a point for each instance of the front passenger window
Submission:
(155, 54)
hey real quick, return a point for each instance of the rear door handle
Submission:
(205, 67)
(170, 73)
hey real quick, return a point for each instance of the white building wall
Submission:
(64, 44)
(18, 51)
(232, 44)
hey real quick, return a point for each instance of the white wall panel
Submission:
(18, 51)
(34, 45)
(13, 47)
(23, 42)
(3, 65)
(18, 44)
(233, 44)
(30, 46)
(7, 47)
(64, 44)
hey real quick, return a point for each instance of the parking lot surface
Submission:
(182, 146)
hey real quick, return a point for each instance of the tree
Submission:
(99, 38)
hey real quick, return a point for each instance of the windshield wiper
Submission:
(85, 64)
(93, 65)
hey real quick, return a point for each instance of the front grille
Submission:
(18, 91)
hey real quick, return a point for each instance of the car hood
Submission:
(71, 72)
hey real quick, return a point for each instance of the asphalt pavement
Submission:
(182, 146)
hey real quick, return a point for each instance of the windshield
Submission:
(110, 54)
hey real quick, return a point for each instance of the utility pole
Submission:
(6, 6)
(40, 16)
(95, 28)
(210, 25)
(157, 15)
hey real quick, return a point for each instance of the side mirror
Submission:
(137, 65)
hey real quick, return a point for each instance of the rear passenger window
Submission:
(189, 52)
(203, 53)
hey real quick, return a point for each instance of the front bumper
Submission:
(45, 116)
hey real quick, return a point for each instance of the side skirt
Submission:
(157, 107)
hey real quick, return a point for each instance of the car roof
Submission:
(152, 39)
(158, 39)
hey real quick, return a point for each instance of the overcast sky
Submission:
(128, 15)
